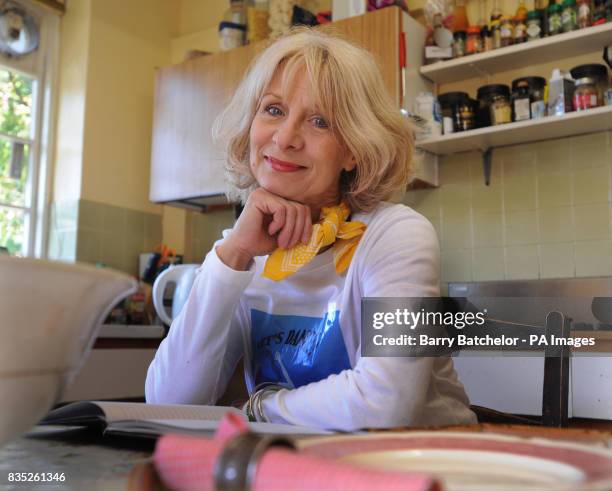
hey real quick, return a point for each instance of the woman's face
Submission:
(293, 152)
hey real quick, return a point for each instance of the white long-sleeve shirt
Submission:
(304, 333)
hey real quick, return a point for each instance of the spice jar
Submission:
(459, 44)
(554, 19)
(520, 31)
(584, 13)
(599, 12)
(487, 38)
(496, 34)
(527, 98)
(493, 105)
(450, 102)
(474, 41)
(596, 71)
(534, 25)
(465, 116)
(506, 31)
(569, 20)
(585, 94)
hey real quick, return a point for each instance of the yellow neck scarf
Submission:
(331, 229)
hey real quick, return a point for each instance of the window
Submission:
(26, 88)
(16, 187)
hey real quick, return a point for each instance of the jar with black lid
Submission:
(528, 98)
(450, 102)
(596, 71)
(493, 105)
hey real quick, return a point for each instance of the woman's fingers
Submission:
(284, 238)
(307, 233)
(298, 229)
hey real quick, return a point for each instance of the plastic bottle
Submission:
(460, 19)
(560, 93)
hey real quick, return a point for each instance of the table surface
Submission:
(94, 463)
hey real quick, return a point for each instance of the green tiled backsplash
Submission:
(92, 232)
(546, 214)
(206, 229)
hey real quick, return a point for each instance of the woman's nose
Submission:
(288, 135)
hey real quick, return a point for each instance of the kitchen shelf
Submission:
(525, 54)
(548, 128)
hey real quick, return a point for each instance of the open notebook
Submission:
(153, 420)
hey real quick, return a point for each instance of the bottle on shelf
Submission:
(569, 19)
(584, 13)
(460, 18)
(560, 93)
(554, 19)
(520, 30)
(496, 15)
(506, 31)
(521, 11)
(542, 7)
(534, 25)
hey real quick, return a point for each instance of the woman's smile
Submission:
(281, 165)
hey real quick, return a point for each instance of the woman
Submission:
(311, 138)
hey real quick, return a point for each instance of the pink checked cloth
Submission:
(187, 463)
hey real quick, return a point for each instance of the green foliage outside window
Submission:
(15, 120)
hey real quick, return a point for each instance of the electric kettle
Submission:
(181, 274)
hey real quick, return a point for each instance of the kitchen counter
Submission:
(94, 463)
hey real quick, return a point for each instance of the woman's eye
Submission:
(320, 122)
(273, 111)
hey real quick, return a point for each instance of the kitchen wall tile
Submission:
(455, 198)
(488, 229)
(456, 230)
(554, 190)
(554, 156)
(592, 222)
(113, 219)
(455, 169)
(591, 185)
(590, 151)
(557, 260)
(593, 258)
(487, 199)
(153, 227)
(135, 223)
(89, 246)
(425, 201)
(556, 224)
(90, 215)
(519, 194)
(521, 228)
(522, 262)
(487, 263)
(113, 249)
(456, 265)
(134, 246)
(518, 164)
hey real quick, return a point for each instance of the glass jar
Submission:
(534, 25)
(450, 102)
(487, 115)
(465, 115)
(473, 44)
(459, 44)
(527, 98)
(569, 19)
(554, 20)
(541, 7)
(520, 31)
(506, 31)
(584, 13)
(585, 94)
(487, 38)
(496, 34)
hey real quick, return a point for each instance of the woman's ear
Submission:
(350, 163)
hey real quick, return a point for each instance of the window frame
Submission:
(42, 66)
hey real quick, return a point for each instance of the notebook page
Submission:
(140, 411)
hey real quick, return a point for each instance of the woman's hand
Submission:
(267, 222)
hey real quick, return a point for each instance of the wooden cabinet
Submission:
(185, 165)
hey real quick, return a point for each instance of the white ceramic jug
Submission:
(181, 274)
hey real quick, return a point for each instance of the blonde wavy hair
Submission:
(350, 92)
